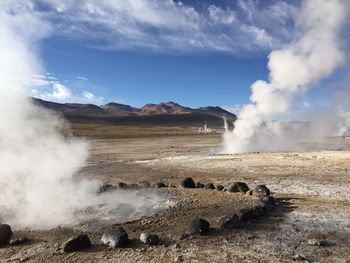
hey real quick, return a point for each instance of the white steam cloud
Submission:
(314, 54)
(38, 162)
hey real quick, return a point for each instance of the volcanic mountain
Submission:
(165, 113)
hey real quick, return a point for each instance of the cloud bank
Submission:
(169, 25)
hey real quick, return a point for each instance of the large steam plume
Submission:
(38, 163)
(314, 54)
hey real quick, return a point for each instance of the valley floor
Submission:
(312, 189)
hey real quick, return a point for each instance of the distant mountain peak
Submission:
(165, 108)
(113, 109)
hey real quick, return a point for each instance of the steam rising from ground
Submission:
(294, 69)
(37, 162)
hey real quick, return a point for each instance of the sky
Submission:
(193, 52)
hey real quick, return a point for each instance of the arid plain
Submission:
(312, 189)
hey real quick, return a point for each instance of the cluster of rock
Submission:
(113, 237)
(130, 186)
(265, 204)
(116, 236)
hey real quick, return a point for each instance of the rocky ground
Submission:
(311, 222)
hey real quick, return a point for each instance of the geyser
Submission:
(313, 55)
(37, 162)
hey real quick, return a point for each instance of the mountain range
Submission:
(165, 112)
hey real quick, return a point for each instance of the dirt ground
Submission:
(312, 189)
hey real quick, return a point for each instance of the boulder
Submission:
(115, 237)
(229, 221)
(220, 187)
(159, 185)
(77, 243)
(198, 226)
(238, 187)
(261, 190)
(188, 183)
(150, 239)
(5, 234)
(122, 186)
(199, 185)
(209, 186)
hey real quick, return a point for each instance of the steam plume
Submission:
(294, 69)
(38, 163)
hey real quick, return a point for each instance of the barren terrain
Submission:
(312, 189)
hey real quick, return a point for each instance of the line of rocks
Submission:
(113, 237)
(132, 186)
(116, 236)
(265, 203)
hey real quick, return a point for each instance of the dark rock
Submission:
(159, 185)
(198, 226)
(268, 203)
(150, 239)
(188, 183)
(115, 237)
(5, 234)
(144, 184)
(106, 188)
(209, 186)
(261, 190)
(245, 215)
(230, 221)
(268, 199)
(238, 187)
(18, 241)
(122, 186)
(77, 243)
(257, 211)
(199, 185)
(219, 187)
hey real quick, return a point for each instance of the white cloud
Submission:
(82, 78)
(88, 95)
(48, 87)
(169, 26)
(218, 15)
(59, 93)
(258, 35)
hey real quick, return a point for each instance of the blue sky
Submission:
(137, 78)
(194, 52)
